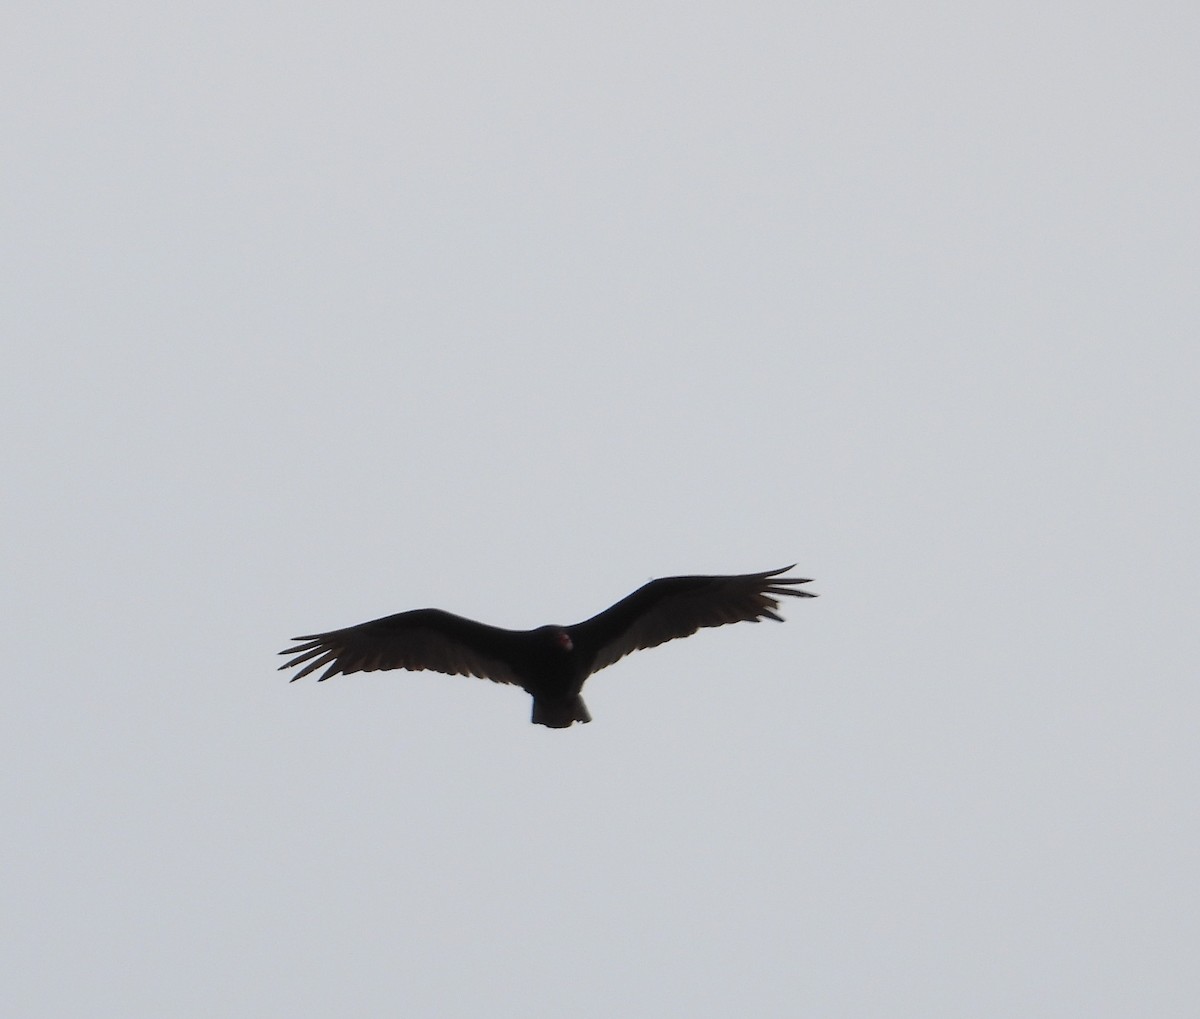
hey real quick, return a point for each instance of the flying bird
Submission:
(550, 663)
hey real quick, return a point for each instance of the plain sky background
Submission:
(318, 312)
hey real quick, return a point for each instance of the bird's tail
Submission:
(560, 713)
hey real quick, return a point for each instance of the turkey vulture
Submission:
(550, 663)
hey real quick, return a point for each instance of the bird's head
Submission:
(558, 638)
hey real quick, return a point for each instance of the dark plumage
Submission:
(550, 663)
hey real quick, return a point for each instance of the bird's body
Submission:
(550, 663)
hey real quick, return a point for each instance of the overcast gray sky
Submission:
(318, 312)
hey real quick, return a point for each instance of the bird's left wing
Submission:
(417, 640)
(674, 607)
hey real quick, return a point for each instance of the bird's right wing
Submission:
(417, 640)
(675, 607)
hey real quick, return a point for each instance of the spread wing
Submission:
(421, 639)
(674, 607)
